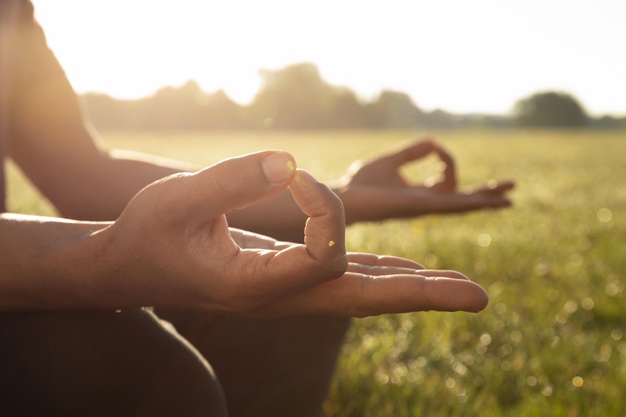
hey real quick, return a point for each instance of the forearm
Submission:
(48, 263)
(124, 174)
(97, 185)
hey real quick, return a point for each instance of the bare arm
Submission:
(55, 147)
(46, 262)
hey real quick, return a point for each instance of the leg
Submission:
(278, 368)
(101, 364)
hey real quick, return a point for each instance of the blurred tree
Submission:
(184, 107)
(549, 109)
(189, 107)
(221, 112)
(296, 97)
(396, 110)
(291, 97)
(347, 111)
(608, 122)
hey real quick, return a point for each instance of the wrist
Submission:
(76, 265)
(80, 265)
(84, 266)
(47, 263)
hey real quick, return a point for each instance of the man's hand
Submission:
(376, 190)
(172, 241)
(172, 247)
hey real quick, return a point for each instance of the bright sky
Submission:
(458, 55)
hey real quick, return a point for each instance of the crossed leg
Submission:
(96, 363)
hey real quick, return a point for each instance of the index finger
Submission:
(323, 255)
(449, 180)
(411, 152)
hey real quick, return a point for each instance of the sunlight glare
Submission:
(458, 56)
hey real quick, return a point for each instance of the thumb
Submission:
(238, 182)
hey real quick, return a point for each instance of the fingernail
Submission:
(278, 168)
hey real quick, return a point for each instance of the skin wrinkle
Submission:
(245, 297)
(362, 308)
(249, 299)
(424, 289)
(365, 269)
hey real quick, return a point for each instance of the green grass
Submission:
(551, 341)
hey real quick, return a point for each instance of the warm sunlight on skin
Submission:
(478, 56)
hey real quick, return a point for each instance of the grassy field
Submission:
(551, 341)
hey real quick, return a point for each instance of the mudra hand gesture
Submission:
(376, 190)
(172, 247)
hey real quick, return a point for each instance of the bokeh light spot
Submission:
(577, 381)
(484, 240)
(605, 215)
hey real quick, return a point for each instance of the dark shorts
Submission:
(132, 362)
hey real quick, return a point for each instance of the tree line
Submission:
(296, 97)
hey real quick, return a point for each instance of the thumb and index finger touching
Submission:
(420, 149)
(238, 182)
